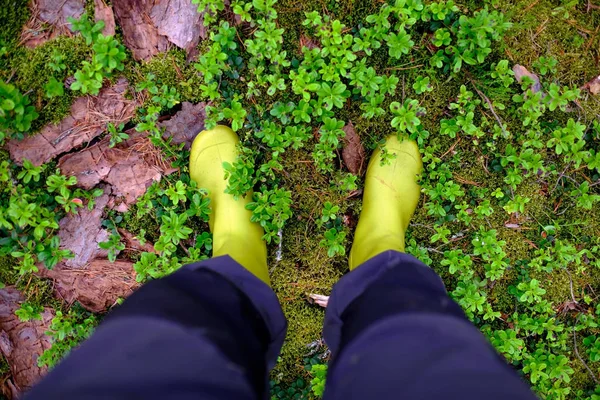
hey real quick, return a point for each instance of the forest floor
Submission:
(500, 95)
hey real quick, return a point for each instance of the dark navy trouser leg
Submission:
(395, 334)
(209, 331)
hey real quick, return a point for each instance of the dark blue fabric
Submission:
(212, 330)
(395, 334)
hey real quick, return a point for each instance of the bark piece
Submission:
(180, 22)
(129, 168)
(186, 124)
(353, 153)
(593, 86)
(97, 286)
(139, 32)
(88, 119)
(21, 343)
(520, 71)
(82, 232)
(56, 12)
(103, 12)
(149, 26)
(49, 20)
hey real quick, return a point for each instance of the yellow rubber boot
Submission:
(390, 198)
(233, 233)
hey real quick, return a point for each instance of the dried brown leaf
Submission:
(520, 71)
(593, 86)
(353, 152)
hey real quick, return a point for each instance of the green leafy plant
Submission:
(422, 85)
(317, 384)
(29, 311)
(545, 65)
(333, 242)
(271, 209)
(66, 332)
(54, 88)
(116, 134)
(16, 113)
(113, 245)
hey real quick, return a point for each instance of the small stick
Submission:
(484, 97)
(529, 7)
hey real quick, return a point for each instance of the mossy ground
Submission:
(541, 29)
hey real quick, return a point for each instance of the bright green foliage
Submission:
(30, 209)
(113, 245)
(545, 65)
(29, 311)
(406, 116)
(57, 62)
(422, 85)
(116, 134)
(271, 209)
(108, 55)
(54, 88)
(240, 173)
(66, 331)
(510, 179)
(317, 384)
(210, 9)
(90, 31)
(593, 347)
(399, 43)
(16, 113)
(334, 242)
(175, 209)
(88, 79)
(235, 113)
(329, 212)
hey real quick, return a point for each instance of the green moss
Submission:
(31, 73)
(170, 68)
(39, 291)
(8, 274)
(13, 14)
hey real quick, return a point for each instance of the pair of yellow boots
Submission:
(389, 200)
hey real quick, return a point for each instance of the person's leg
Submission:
(211, 330)
(391, 327)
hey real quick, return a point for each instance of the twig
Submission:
(579, 356)
(451, 147)
(484, 97)
(560, 176)
(571, 286)
(434, 250)
(529, 7)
